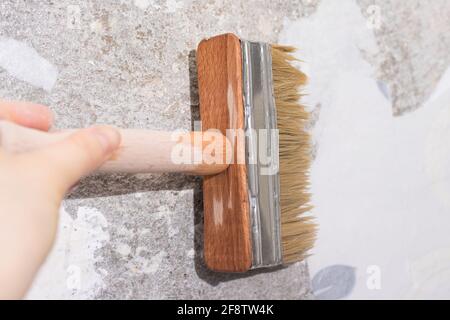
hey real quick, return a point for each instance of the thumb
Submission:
(66, 162)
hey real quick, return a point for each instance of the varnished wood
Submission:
(227, 243)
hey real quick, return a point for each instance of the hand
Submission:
(32, 186)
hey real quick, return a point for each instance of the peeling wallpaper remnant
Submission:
(379, 183)
(380, 189)
(329, 44)
(414, 39)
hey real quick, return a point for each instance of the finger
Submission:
(26, 114)
(66, 162)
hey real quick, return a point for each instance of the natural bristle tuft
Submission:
(297, 229)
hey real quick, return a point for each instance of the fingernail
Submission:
(109, 137)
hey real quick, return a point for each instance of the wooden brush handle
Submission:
(141, 151)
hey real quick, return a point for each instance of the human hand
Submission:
(32, 186)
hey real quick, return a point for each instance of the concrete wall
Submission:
(130, 63)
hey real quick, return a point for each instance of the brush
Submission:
(255, 211)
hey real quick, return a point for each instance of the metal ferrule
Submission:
(262, 153)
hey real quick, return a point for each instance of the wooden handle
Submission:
(141, 151)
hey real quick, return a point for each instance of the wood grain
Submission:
(141, 151)
(227, 242)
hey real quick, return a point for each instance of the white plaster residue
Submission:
(172, 230)
(70, 270)
(141, 264)
(190, 253)
(138, 195)
(142, 4)
(123, 249)
(125, 232)
(165, 213)
(329, 43)
(175, 67)
(173, 5)
(24, 63)
(96, 26)
(429, 274)
(374, 178)
(152, 265)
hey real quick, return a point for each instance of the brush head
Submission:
(297, 230)
(254, 212)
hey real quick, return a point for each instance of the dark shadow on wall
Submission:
(103, 185)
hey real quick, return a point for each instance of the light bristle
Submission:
(297, 230)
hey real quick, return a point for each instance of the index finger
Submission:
(26, 114)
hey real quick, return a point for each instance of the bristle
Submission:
(297, 230)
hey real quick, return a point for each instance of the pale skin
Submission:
(32, 186)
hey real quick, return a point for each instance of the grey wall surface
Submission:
(131, 63)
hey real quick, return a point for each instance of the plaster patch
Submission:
(24, 63)
(70, 270)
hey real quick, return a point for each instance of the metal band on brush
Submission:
(262, 153)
